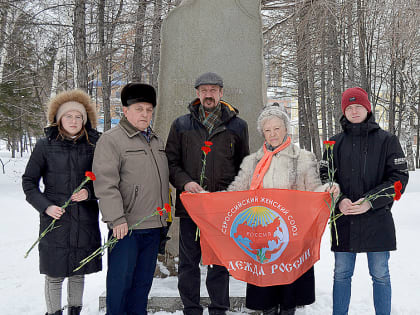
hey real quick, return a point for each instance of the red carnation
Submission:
(159, 209)
(90, 175)
(208, 143)
(397, 186)
(397, 195)
(167, 207)
(329, 143)
(206, 150)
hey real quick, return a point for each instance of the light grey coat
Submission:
(291, 168)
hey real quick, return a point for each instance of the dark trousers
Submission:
(131, 266)
(189, 279)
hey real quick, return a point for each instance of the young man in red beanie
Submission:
(368, 161)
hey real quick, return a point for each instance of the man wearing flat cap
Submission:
(210, 119)
(132, 180)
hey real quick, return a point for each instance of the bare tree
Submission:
(106, 34)
(138, 43)
(79, 33)
(155, 54)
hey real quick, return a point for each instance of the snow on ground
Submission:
(22, 287)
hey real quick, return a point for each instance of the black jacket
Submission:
(183, 149)
(367, 159)
(62, 165)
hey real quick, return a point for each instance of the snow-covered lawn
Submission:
(22, 287)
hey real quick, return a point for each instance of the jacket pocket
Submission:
(135, 151)
(134, 196)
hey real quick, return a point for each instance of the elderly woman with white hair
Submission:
(280, 164)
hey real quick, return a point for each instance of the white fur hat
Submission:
(271, 111)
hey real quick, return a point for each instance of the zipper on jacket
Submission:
(160, 179)
(219, 129)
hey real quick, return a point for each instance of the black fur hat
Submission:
(138, 92)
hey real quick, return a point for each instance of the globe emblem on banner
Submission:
(261, 233)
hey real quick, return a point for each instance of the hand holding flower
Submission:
(80, 196)
(120, 231)
(193, 187)
(352, 208)
(333, 189)
(54, 212)
(360, 206)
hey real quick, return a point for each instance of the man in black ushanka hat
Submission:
(132, 181)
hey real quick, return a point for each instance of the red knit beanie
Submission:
(355, 95)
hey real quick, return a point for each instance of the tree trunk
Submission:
(105, 76)
(56, 66)
(301, 37)
(336, 71)
(330, 105)
(322, 92)
(409, 142)
(155, 55)
(393, 97)
(79, 34)
(362, 44)
(401, 108)
(8, 28)
(311, 110)
(350, 48)
(138, 42)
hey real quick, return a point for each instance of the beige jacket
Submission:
(132, 177)
(291, 168)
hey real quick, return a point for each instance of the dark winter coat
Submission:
(367, 159)
(299, 293)
(62, 165)
(183, 149)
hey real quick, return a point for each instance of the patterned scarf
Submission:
(264, 164)
(213, 118)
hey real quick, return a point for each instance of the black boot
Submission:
(290, 311)
(74, 310)
(271, 311)
(60, 312)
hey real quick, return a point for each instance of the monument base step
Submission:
(173, 303)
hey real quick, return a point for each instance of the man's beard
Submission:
(209, 109)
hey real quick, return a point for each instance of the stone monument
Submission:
(222, 36)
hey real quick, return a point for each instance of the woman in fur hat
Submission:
(61, 160)
(280, 164)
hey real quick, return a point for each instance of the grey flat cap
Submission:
(209, 78)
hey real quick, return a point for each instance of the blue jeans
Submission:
(378, 270)
(131, 266)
